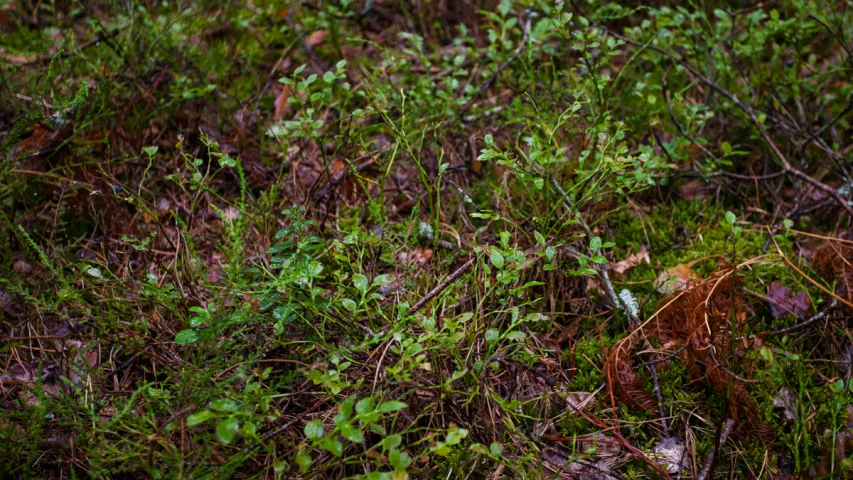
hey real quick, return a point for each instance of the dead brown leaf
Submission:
(675, 278)
(282, 106)
(316, 38)
(783, 302)
(631, 261)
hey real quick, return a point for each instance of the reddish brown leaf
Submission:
(783, 302)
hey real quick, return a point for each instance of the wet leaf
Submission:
(186, 337)
(227, 429)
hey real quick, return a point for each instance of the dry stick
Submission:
(796, 172)
(611, 292)
(441, 286)
(816, 135)
(709, 462)
(746, 109)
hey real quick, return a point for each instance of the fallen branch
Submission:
(593, 419)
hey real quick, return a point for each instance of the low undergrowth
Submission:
(399, 240)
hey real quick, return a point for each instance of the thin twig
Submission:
(832, 32)
(441, 286)
(611, 292)
(668, 356)
(65, 54)
(829, 124)
(749, 178)
(747, 109)
(719, 364)
(282, 428)
(709, 461)
(805, 323)
(675, 120)
(488, 83)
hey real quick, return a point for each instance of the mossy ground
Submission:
(215, 219)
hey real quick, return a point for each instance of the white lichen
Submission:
(630, 302)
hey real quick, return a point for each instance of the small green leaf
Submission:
(550, 252)
(378, 429)
(303, 459)
(346, 406)
(365, 405)
(360, 282)
(540, 240)
(314, 429)
(399, 460)
(349, 304)
(227, 429)
(730, 218)
(492, 335)
(329, 77)
(595, 244)
(95, 272)
(198, 320)
(186, 337)
(727, 148)
(224, 405)
(454, 436)
(598, 259)
(333, 446)
(200, 417)
(496, 449)
(392, 442)
(497, 259)
(516, 335)
(383, 280)
(352, 434)
(392, 406)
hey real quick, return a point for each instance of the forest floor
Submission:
(484, 239)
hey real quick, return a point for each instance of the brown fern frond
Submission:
(627, 385)
(698, 320)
